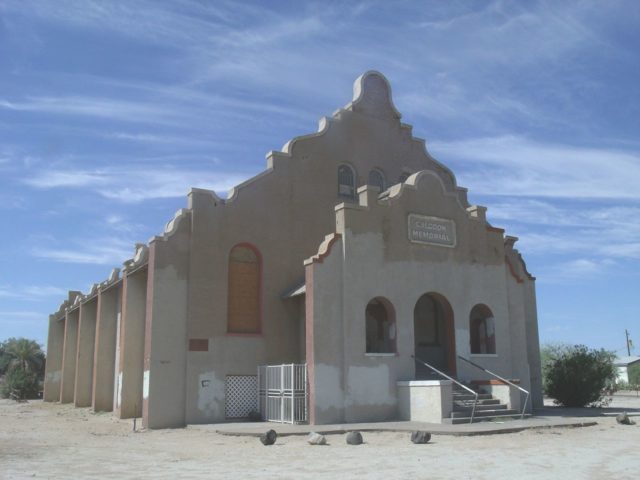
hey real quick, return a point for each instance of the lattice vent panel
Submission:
(242, 395)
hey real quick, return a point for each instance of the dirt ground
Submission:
(44, 440)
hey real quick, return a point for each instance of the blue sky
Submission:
(111, 111)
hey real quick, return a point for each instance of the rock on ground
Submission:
(354, 438)
(623, 419)
(420, 437)
(269, 437)
(316, 439)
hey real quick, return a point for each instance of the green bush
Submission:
(22, 362)
(576, 376)
(622, 385)
(548, 353)
(20, 384)
(633, 371)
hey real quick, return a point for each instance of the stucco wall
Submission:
(85, 355)
(166, 328)
(108, 311)
(283, 212)
(172, 339)
(53, 367)
(376, 259)
(132, 333)
(425, 401)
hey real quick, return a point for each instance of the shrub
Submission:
(22, 362)
(20, 384)
(548, 353)
(576, 376)
(633, 371)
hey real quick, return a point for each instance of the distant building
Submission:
(622, 364)
(353, 252)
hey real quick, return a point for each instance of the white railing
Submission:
(282, 393)
(475, 394)
(513, 385)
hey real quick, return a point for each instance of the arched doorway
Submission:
(434, 336)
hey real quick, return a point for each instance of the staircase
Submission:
(487, 408)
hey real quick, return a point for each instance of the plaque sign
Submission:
(432, 230)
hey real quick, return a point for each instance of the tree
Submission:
(4, 360)
(633, 371)
(22, 362)
(548, 353)
(576, 376)
(24, 354)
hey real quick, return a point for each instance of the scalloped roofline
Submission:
(359, 91)
(325, 122)
(411, 183)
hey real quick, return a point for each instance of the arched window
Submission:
(380, 326)
(376, 178)
(482, 330)
(403, 177)
(346, 182)
(243, 297)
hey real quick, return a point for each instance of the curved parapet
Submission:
(413, 183)
(93, 291)
(172, 225)
(324, 249)
(232, 194)
(114, 276)
(140, 257)
(515, 262)
(59, 314)
(210, 194)
(372, 96)
(323, 126)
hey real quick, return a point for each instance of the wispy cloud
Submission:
(95, 251)
(21, 317)
(111, 108)
(578, 269)
(564, 213)
(30, 292)
(152, 138)
(516, 166)
(137, 183)
(57, 178)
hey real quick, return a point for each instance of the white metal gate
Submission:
(282, 392)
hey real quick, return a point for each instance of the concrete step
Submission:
(468, 396)
(479, 408)
(466, 413)
(495, 418)
(486, 401)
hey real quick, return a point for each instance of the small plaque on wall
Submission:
(198, 344)
(432, 230)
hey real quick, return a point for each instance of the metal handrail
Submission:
(475, 394)
(503, 379)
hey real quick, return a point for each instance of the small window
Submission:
(346, 182)
(482, 330)
(403, 177)
(376, 179)
(380, 327)
(243, 297)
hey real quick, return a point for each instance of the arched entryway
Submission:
(434, 335)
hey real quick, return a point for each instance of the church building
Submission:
(350, 281)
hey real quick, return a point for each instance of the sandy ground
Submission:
(58, 441)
